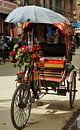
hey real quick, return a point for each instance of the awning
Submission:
(6, 7)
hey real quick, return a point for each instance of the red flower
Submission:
(20, 74)
(25, 48)
(12, 61)
(34, 57)
(12, 53)
(36, 48)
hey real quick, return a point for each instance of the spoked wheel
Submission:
(72, 91)
(21, 106)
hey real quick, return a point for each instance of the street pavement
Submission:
(8, 85)
(7, 81)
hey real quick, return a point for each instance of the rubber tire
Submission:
(72, 92)
(12, 106)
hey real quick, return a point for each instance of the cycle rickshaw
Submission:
(47, 66)
(44, 65)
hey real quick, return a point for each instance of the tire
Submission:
(72, 91)
(21, 106)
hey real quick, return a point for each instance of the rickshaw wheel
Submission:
(21, 106)
(72, 91)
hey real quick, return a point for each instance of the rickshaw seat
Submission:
(53, 62)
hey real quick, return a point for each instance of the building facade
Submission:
(64, 7)
(78, 11)
(6, 6)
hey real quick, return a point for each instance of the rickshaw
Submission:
(44, 61)
(45, 66)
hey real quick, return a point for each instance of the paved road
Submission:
(7, 81)
(54, 107)
(76, 58)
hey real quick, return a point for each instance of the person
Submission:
(21, 41)
(20, 37)
(73, 44)
(77, 40)
(2, 49)
(7, 46)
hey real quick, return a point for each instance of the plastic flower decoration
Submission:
(12, 56)
(20, 75)
(21, 56)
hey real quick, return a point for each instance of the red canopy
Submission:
(61, 26)
(25, 24)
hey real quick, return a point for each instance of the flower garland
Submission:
(21, 56)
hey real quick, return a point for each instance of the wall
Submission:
(5, 8)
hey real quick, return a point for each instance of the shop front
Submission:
(5, 8)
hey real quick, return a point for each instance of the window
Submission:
(58, 6)
(44, 3)
(50, 4)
